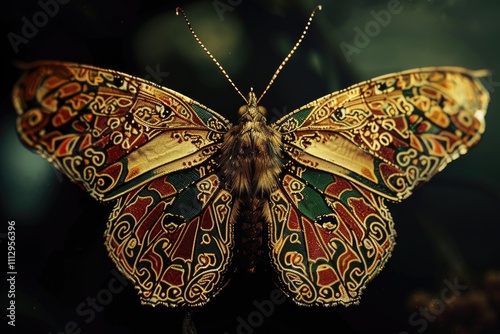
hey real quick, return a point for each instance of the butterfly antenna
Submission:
(291, 52)
(179, 10)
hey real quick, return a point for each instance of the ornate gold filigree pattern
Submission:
(319, 176)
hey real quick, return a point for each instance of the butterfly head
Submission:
(251, 112)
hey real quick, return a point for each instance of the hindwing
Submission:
(173, 237)
(328, 236)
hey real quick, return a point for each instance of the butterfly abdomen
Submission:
(251, 233)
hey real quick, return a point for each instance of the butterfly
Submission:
(192, 190)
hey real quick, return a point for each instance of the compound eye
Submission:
(262, 110)
(242, 110)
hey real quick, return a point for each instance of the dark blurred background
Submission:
(444, 275)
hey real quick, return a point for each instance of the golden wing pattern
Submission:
(110, 132)
(404, 126)
(152, 149)
(329, 167)
(330, 231)
(173, 238)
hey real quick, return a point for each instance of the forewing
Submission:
(173, 238)
(330, 232)
(391, 133)
(110, 132)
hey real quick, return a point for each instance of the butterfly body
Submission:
(251, 162)
(190, 190)
(251, 153)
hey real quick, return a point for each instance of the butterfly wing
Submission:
(110, 132)
(152, 149)
(173, 237)
(328, 236)
(330, 231)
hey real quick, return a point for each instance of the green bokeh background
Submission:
(449, 229)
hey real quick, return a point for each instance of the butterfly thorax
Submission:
(251, 163)
(251, 153)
